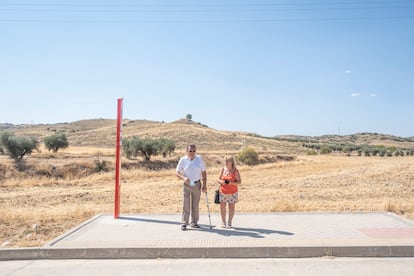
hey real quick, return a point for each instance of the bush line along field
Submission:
(51, 193)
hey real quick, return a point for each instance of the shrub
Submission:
(100, 166)
(248, 156)
(325, 149)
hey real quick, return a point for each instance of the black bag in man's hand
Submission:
(217, 197)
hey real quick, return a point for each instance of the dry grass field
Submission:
(55, 192)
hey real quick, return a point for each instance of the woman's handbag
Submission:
(217, 196)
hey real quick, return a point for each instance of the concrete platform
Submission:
(254, 235)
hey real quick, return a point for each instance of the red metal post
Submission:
(118, 159)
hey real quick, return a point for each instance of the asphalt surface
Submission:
(209, 267)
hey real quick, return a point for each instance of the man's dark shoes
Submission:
(183, 227)
(195, 225)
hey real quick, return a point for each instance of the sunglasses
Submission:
(191, 151)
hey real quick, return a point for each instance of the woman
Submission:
(229, 180)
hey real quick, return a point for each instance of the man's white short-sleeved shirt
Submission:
(191, 169)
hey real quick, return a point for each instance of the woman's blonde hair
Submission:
(229, 158)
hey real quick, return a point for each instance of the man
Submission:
(192, 170)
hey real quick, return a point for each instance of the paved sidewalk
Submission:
(254, 235)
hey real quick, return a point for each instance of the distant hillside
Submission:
(364, 138)
(102, 133)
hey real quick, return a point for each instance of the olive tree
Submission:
(166, 147)
(146, 147)
(17, 147)
(56, 141)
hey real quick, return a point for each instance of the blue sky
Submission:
(269, 67)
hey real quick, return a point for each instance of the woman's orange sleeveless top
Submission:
(228, 188)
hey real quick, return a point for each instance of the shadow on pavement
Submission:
(235, 231)
(150, 220)
(240, 231)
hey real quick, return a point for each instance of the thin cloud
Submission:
(355, 95)
(345, 72)
(373, 95)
